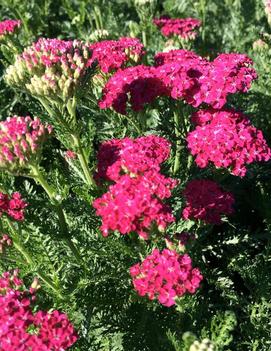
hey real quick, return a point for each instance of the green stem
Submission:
(179, 146)
(83, 162)
(144, 38)
(19, 247)
(64, 230)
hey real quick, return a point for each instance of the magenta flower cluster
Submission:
(21, 329)
(133, 156)
(182, 27)
(227, 139)
(141, 84)
(180, 74)
(13, 206)
(165, 276)
(9, 26)
(206, 201)
(113, 54)
(134, 203)
(20, 141)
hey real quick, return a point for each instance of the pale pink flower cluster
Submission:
(4, 242)
(165, 276)
(23, 330)
(21, 139)
(226, 139)
(113, 54)
(134, 203)
(51, 67)
(133, 156)
(13, 206)
(206, 201)
(182, 27)
(8, 27)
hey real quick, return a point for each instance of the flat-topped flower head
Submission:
(51, 67)
(131, 156)
(197, 80)
(135, 204)
(52, 331)
(181, 27)
(206, 201)
(8, 27)
(139, 85)
(21, 140)
(13, 206)
(226, 139)
(114, 54)
(165, 276)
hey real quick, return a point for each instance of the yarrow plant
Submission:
(182, 27)
(227, 139)
(206, 201)
(21, 328)
(21, 140)
(8, 27)
(165, 276)
(13, 206)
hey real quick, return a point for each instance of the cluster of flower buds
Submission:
(227, 139)
(204, 345)
(98, 34)
(51, 67)
(134, 203)
(132, 156)
(113, 54)
(4, 242)
(165, 276)
(206, 201)
(8, 27)
(21, 140)
(21, 329)
(13, 206)
(181, 27)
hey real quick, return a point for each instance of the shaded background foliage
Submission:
(233, 307)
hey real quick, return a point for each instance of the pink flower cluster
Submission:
(135, 204)
(183, 27)
(9, 26)
(227, 139)
(12, 206)
(180, 74)
(5, 241)
(113, 54)
(132, 156)
(206, 201)
(165, 276)
(140, 83)
(20, 141)
(198, 81)
(21, 329)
